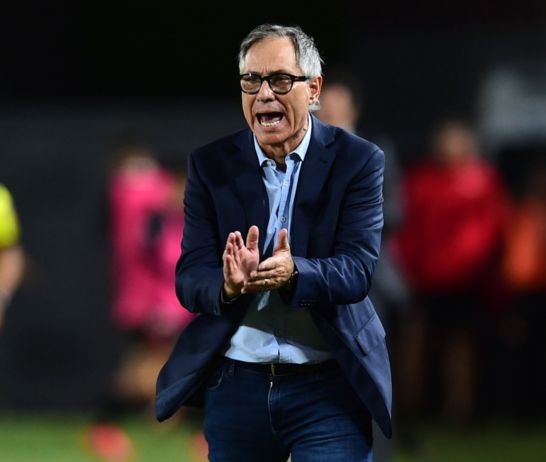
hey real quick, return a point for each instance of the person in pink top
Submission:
(146, 221)
(143, 258)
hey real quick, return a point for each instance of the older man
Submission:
(288, 355)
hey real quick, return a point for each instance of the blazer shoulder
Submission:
(357, 149)
(336, 137)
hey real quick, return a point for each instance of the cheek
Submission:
(299, 107)
(298, 114)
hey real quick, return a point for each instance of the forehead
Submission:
(271, 55)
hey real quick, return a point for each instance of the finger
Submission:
(228, 262)
(238, 240)
(229, 239)
(232, 251)
(228, 266)
(252, 238)
(237, 256)
(229, 249)
(232, 240)
(226, 251)
(266, 284)
(269, 264)
(269, 282)
(282, 241)
(261, 275)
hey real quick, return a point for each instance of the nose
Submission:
(265, 93)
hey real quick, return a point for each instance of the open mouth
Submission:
(269, 119)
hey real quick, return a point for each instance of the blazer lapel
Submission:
(249, 184)
(315, 169)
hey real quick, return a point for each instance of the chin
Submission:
(269, 136)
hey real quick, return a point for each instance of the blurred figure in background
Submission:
(521, 330)
(340, 105)
(449, 248)
(145, 204)
(146, 221)
(340, 100)
(12, 260)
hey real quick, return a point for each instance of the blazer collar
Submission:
(249, 185)
(246, 172)
(313, 175)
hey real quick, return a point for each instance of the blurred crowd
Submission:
(473, 257)
(461, 281)
(461, 284)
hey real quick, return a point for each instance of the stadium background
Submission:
(75, 76)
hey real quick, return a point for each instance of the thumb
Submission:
(282, 241)
(252, 238)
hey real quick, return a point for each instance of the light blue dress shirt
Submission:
(271, 331)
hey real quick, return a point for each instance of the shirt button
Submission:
(283, 219)
(285, 183)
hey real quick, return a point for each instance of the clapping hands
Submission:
(243, 272)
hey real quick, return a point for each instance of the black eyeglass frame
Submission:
(267, 78)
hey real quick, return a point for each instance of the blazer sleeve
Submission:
(345, 277)
(199, 272)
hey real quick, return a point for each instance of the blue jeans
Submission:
(313, 417)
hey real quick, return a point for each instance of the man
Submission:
(288, 353)
(11, 253)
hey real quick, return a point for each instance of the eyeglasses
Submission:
(279, 83)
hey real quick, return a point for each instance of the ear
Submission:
(315, 84)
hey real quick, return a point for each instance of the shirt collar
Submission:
(300, 150)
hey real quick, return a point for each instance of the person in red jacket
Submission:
(447, 247)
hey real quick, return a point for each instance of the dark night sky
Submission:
(137, 48)
(163, 49)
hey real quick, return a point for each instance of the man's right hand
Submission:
(240, 260)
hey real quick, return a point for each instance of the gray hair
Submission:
(307, 55)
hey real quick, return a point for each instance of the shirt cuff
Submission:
(230, 301)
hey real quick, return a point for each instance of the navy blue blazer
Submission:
(336, 232)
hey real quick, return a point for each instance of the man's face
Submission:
(278, 121)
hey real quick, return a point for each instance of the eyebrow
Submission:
(280, 71)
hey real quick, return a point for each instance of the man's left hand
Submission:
(274, 272)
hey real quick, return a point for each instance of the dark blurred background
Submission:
(76, 77)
